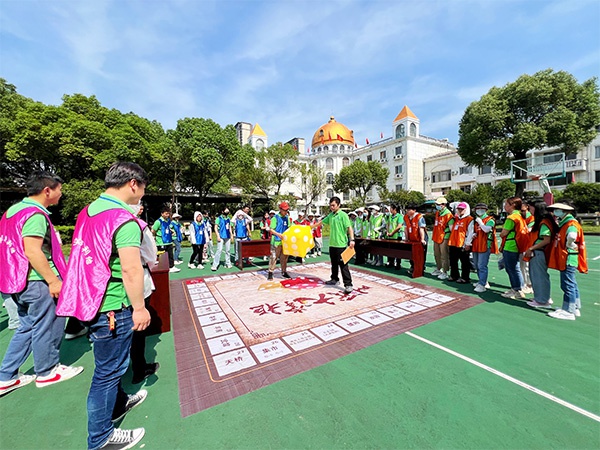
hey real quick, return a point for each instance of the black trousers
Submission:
(197, 250)
(457, 254)
(335, 256)
(138, 350)
(169, 250)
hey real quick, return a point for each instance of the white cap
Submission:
(560, 206)
(176, 216)
(375, 207)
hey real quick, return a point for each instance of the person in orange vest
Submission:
(542, 233)
(458, 251)
(523, 262)
(482, 242)
(415, 231)
(441, 235)
(510, 249)
(568, 255)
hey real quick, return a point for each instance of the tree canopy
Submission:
(547, 109)
(361, 177)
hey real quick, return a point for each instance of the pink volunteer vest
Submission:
(14, 263)
(88, 272)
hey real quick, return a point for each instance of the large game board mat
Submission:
(234, 333)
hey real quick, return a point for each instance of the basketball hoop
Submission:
(533, 176)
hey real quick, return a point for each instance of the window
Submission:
(329, 164)
(413, 130)
(329, 178)
(383, 154)
(260, 144)
(315, 163)
(466, 188)
(552, 158)
(597, 175)
(326, 149)
(398, 169)
(329, 193)
(369, 158)
(562, 181)
(345, 162)
(400, 131)
(398, 187)
(346, 196)
(398, 150)
(597, 152)
(445, 190)
(442, 175)
(334, 148)
(465, 170)
(485, 169)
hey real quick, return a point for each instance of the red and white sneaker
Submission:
(11, 385)
(58, 374)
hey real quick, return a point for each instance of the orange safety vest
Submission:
(529, 219)
(459, 231)
(412, 227)
(439, 227)
(521, 233)
(534, 236)
(480, 242)
(559, 251)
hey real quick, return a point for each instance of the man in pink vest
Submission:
(104, 288)
(32, 270)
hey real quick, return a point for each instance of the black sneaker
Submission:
(132, 401)
(332, 282)
(285, 275)
(151, 369)
(124, 439)
(348, 289)
(270, 276)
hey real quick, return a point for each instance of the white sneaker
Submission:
(178, 262)
(436, 272)
(228, 267)
(561, 314)
(174, 269)
(132, 401)
(480, 288)
(378, 264)
(191, 266)
(527, 290)
(509, 294)
(519, 294)
(11, 385)
(487, 285)
(124, 439)
(535, 304)
(577, 313)
(443, 276)
(58, 374)
(200, 266)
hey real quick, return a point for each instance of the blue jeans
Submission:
(217, 260)
(481, 261)
(540, 280)
(111, 356)
(511, 264)
(177, 250)
(40, 331)
(568, 284)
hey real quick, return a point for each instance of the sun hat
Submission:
(176, 216)
(561, 206)
(461, 205)
(375, 207)
(441, 201)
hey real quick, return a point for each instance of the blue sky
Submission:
(289, 65)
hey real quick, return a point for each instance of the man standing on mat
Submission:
(279, 223)
(341, 236)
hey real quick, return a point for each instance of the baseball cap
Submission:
(462, 205)
(284, 205)
(441, 201)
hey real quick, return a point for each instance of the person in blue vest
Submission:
(163, 233)
(241, 232)
(279, 223)
(223, 233)
(176, 225)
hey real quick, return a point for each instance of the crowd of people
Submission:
(106, 285)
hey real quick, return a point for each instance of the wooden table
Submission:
(257, 247)
(160, 300)
(413, 251)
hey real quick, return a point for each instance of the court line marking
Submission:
(509, 378)
(596, 258)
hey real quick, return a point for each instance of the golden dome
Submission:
(333, 133)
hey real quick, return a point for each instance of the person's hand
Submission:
(352, 243)
(529, 253)
(55, 287)
(141, 319)
(423, 241)
(467, 248)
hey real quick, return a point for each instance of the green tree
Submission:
(502, 190)
(547, 109)
(402, 198)
(312, 183)
(456, 195)
(216, 156)
(361, 177)
(483, 193)
(584, 196)
(77, 194)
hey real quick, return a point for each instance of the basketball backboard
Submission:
(544, 166)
